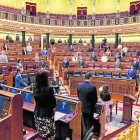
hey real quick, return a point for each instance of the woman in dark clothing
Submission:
(105, 98)
(45, 104)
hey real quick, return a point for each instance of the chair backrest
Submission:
(84, 73)
(105, 66)
(116, 75)
(108, 74)
(77, 73)
(124, 76)
(93, 73)
(69, 73)
(101, 74)
(25, 78)
(31, 77)
(29, 67)
(14, 68)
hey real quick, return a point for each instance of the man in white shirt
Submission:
(29, 47)
(125, 49)
(104, 58)
(74, 58)
(3, 58)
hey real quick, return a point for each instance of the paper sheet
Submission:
(58, 115)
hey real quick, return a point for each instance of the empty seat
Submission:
(32, 60)
(108, 74)
(71, 66)
(69, 73)
(19, 54)
(25, 78)
(101, 74)
(31, 77)
(127, 67)
(93, 73)
(77, 73)
(11, 60)
(87, 59)
(90, 65)
(29, 67)
(126, 60)
(13, 53)
(111, 66)
(116, 75)
(105, 67)
(4, 70)
(14, 68)
(84, 73)
(124, 76)
(13, 91)
(97, 66)
(26, 60)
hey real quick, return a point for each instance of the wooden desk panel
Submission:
(117, 87)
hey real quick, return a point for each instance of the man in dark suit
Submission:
(59, 41)
(81, 63)
(103, 43)
(90, 49)
(87, 94)
(117, 56)
(100, 46)
(122, 53)
(30, 38)
(65, 63)
(11, 40)
(93, 57)
(42, 64)
(64, 43)
(105, 40)
(138, 53)
(5, 47)
(131, 74)
(135, 64)
(24, 51)
(19, 83)
(74, 43)
(107, 47)
(7, 37)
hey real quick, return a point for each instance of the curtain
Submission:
(33, 6)
(132, 7)
(83, 9)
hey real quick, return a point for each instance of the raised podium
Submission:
(127, 108)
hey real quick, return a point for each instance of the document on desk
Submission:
(58, 115)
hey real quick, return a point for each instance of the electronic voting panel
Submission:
(28, 97)
(4, 106)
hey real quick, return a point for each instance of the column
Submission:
(23, 11)
(70, 16)
(93, 40)
(116, 39)
(118, 13)
(70, 39)
(47, 41)
(47, 14)
(23, 39)
(93, 15)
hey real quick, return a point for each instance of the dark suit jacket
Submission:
(59, 41)
(103, 43)
(136, 65)
(42, 66)
(107, 48)
(117, 57)
(131, 74)
(90, 49)
(138, 53)
(81, 63)
(123, 54)
(45, 102)
(105, 40)
(74, 44)
(10, 40)
(101, 46)
(23, 52)
(7, 37)
(5, 48)
(87, 94)
(93, 57)
(65, 64)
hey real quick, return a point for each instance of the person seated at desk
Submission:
(64, 43)
(24, 51)
(30, 38)
(65, 63)
(11, 40)
(29, 47)
(7, 37)
(81, 63)
(87, 94)
(42, 64)
(52, 42)
(119, 46)
(5, 47)
(74, 43)
(80, 41)
(36, 57)
(45, 52)
(85, 43)
(100, 46)
(93, 57)
(108, 53)
(45, 103)
(131, 74)
(103, 43)
(135, 64)
(105, 99)
(104, 58)
(107, 47)
(138, 53)
(3, 57)
(74, 58)
(125, 49)
(117, 56)
(70, 48)
(55, 86)
(90, 49)
(118, 64)
(19, 64)
(59, 41)
(19, 83)
(122, 54)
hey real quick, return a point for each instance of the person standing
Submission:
(29, 47)
(107, 47)
(65, 63)
(131, 74)
(93, 57)
(24, 51)
(45, 104)
(118, 64)
(36, 57)
(70, 48)
(135, 64)
(5, 47)
(117, 56)
(7, 37)
(87, 94)
(3, 58)
(74, 58)
(42, 64)
(45, 52)
(19, 64)
(81, 63)
(90, 49)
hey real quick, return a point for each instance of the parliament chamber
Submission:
(70, 39)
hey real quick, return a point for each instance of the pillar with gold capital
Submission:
(70, 15)
(93, 15)
(47, 14)
(23, 11)
(118, 13)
